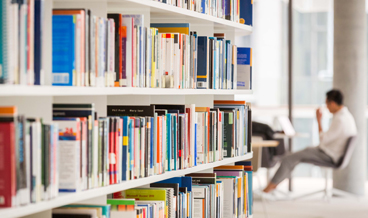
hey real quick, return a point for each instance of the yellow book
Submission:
(172, 27)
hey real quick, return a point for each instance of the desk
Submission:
(266, 143)
(257, 144)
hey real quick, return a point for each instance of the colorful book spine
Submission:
(63, 52)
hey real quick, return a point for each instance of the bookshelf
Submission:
(88, 91)
(36, 101)
(64, 199)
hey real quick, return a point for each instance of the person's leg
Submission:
(312, 154)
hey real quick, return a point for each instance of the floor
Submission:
(311, 207)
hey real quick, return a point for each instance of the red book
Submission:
(111, 151)
(7, 164)
(116, 144)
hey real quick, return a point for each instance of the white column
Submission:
(350, 59)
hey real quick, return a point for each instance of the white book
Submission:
(136, 151)
(176, 61)
(200, 116)
(93, 44)
(228, 197)
(187, 62)
(143, 148)
(163, 61)
(149, 41)
(78, 51)
(13, 43)
(23, 44)
(95, 182)
(69, 157)
(86, 49)
(101, 52)
(111, 71)
(30, 43)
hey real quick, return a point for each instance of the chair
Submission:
(328, 168)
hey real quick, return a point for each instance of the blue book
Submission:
(63, 50)
(124, 164)
(38, 11)
(195, 145)
(4, 42)
(228, 64)
(169, 140)
(203, 60)
(244, 68)
(246, 12)
(131, 147)
(227, 9)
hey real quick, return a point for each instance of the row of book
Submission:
(119, 51)
(225, 193)
(21, 33)
(80, 151)
(240, 11)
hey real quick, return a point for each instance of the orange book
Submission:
(159, 144)
(229, 102)
(8, 111)
(237, 167)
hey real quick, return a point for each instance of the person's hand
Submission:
(319, 114)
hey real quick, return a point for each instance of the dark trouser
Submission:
(309, 155)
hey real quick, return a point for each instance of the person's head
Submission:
(334, 100)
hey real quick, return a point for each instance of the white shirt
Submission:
(342, 127)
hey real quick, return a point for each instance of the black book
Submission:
(128, 110)
(179, 107)
(249, 128)
(161, 112)
(183, 189)
(202, 178)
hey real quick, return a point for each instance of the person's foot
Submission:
(270, 187)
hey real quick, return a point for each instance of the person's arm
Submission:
(319, 120)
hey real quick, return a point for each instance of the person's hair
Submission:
(335, 96)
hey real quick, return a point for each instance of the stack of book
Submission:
(225, 193)
(83, 49)
(119, 51)
(21, 33)
(29, 150)
(239, 11)
(80, 151)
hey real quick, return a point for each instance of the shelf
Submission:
(17, 90)
(162, 10)
(69, 198)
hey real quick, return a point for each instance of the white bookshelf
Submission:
(64, 199)
(36, 101)
(15, 90)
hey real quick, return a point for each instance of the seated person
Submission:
(332, 143)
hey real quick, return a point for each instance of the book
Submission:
(69, 153)
(183, 28)
(8, 156)
(246, 12)
(244, 63)
(63, 52)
